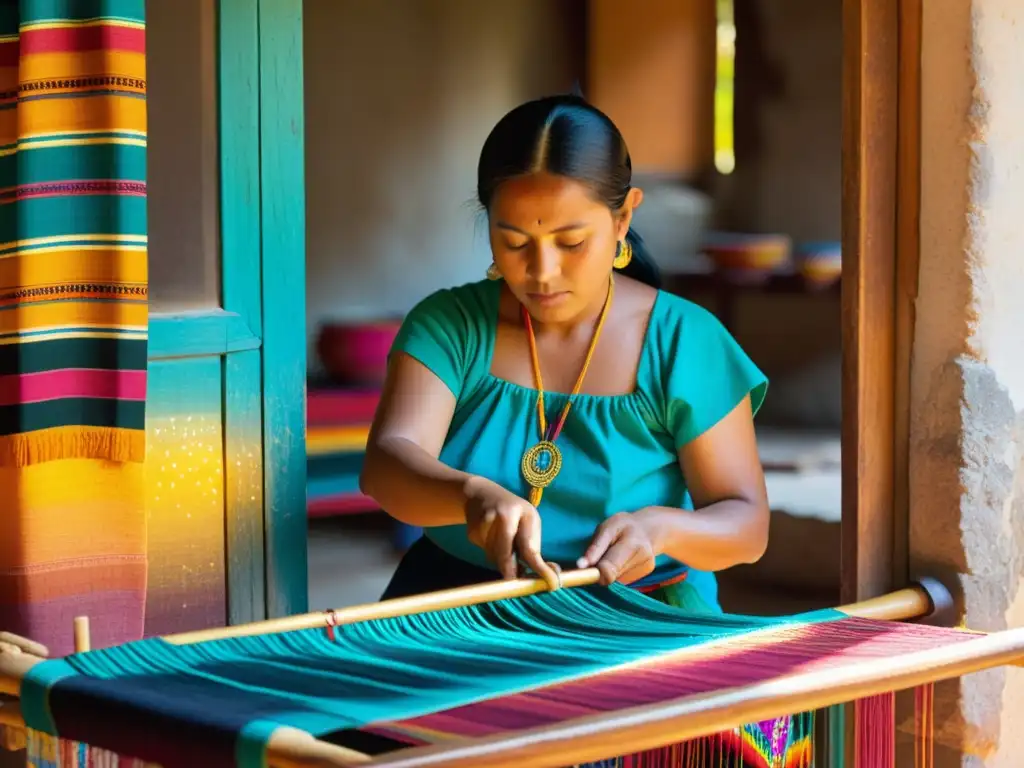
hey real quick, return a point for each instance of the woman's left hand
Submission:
(623, 548)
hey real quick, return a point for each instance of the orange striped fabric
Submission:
(73, 319)
(73, 328)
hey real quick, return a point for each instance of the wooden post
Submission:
(83, 639)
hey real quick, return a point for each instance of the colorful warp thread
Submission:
(742, 660)
(73, 322)
(425, 678)
(47, 752)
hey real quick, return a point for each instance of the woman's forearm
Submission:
(412, 486)
(719, 536)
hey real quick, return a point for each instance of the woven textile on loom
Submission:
(73, 318)
(430, 677)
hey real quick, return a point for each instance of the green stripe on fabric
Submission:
(836, 720)
(82, 10)
(71, 215)
(71, 241)
(72, 411)
(47, 139)
(83, 162)
(9, 19)
(40, 356)
(124, 93)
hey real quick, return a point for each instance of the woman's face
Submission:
(554, 243)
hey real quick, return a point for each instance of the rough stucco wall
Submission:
(967, 427)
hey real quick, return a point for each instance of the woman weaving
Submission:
(565, 412)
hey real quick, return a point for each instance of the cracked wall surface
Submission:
(967, 380)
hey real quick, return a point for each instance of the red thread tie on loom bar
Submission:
(332, 622)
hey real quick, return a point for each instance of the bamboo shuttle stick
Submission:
(905, 604)
(649, 727)
(387, 609)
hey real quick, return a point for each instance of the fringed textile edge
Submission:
(45, 751)
(744, 747)
(104, 443)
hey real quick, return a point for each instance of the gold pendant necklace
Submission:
(543, 461)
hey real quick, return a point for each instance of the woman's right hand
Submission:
(507, 528)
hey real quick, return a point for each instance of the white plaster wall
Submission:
(400, 96)
(997, 181)
(967, 451)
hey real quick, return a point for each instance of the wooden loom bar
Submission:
(293, 748)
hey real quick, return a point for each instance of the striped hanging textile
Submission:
(73, 323)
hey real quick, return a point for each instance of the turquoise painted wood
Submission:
(243, 476)
(283, 214)
(185, 495)
(241, 280)
(258, 333)
(199, 334)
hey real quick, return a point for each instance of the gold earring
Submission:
(623, 255)
(493, 273)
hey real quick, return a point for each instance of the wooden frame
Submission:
(881, 207)
(283, 216)
(239, 142)
(259, 331)
(870, 45)
(881, 118)
(263, 241)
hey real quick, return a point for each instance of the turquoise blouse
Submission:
(620, 452)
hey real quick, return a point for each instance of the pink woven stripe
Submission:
(72, 382)
(739, 662)
(116, 617)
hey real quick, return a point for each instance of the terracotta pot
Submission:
(355, 354)
(747, 258)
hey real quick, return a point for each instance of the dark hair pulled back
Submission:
(565, 136)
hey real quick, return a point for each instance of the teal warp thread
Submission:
(35, 692)
(399, 668)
